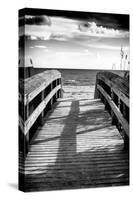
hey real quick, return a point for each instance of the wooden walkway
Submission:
(77, 147)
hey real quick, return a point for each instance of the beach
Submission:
(79, 84)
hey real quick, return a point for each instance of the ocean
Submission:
(80, 83)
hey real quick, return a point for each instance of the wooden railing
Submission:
(37, 94)
(113, 90)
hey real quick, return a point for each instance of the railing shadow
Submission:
(94, 166)
(67, 147)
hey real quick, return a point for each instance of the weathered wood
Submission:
(42, 113)
(51, 101)
(56, 92)
(126, 141)
(32, 118)
(121, 96)
(115, 109)
(114, 92)
(61, 96)
(31, 87)
(96, 95)
(84, 150)
(119, 86)
(27, 132)
(21, 123)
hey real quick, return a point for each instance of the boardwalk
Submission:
(76, 147)
(80, 140)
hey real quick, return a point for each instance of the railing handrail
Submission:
(48, 86)
(115, 82)
(114, 92)
(32, 86)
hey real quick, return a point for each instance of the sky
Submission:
(88, 41)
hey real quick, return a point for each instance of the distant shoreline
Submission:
(80, 69)
(30, 71)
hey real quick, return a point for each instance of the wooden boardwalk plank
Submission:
(77, 147)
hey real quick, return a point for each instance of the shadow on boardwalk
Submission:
(90, 152)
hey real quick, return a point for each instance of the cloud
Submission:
(44, 36)
(64, 29)
(35, 20)
(38, 20)
(92, 29)
(60, 29)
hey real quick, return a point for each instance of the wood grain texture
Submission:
(115, 109)
(77, 147)
(32, 118)
(31, 87)
(119, 85)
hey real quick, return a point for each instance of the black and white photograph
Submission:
(74, 110)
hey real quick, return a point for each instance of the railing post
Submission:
(61, 95)
(42, 114)
(124, 110)
(27, 134)
(56, 95)
(105, 103)
(51, 101)
(114, 119)
(119, 103)
(125, 137)
(126, 140)
(22, 136)
(58, 90)
(119, 106)
(33, 106)
(96, 95)
(107, 107)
